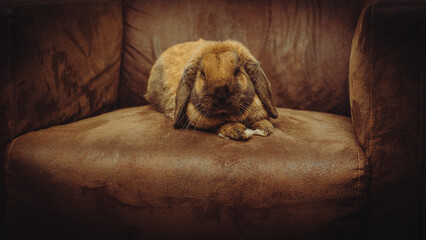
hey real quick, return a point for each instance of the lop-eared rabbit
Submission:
(213, 85)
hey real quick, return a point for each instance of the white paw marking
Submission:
(250, 132)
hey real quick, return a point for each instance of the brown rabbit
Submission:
(213, 85)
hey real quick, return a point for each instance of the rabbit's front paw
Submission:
(264, 126)
(235, 131)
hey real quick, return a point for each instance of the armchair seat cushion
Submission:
(130, 173)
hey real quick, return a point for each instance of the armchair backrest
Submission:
(303, 46)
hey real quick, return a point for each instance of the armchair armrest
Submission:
(62, 62)
(59, 62)
(387, 96)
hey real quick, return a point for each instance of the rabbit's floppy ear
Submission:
(262, 86)
(183, 93)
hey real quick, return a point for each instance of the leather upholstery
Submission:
(129, 175)
(125, 173)
(63, 63)
(303, 45)
(387, 92)
(58, 63)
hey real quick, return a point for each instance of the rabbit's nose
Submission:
(221, 95)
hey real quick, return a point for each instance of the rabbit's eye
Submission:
(203, 74)
(236, 71)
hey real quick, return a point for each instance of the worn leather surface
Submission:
(59, 62)
(387, 88)
(130, 173)
(303, 46)
(63, 60)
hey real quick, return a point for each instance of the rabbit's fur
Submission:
(212, 85)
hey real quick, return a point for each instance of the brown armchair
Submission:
(85, 156)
